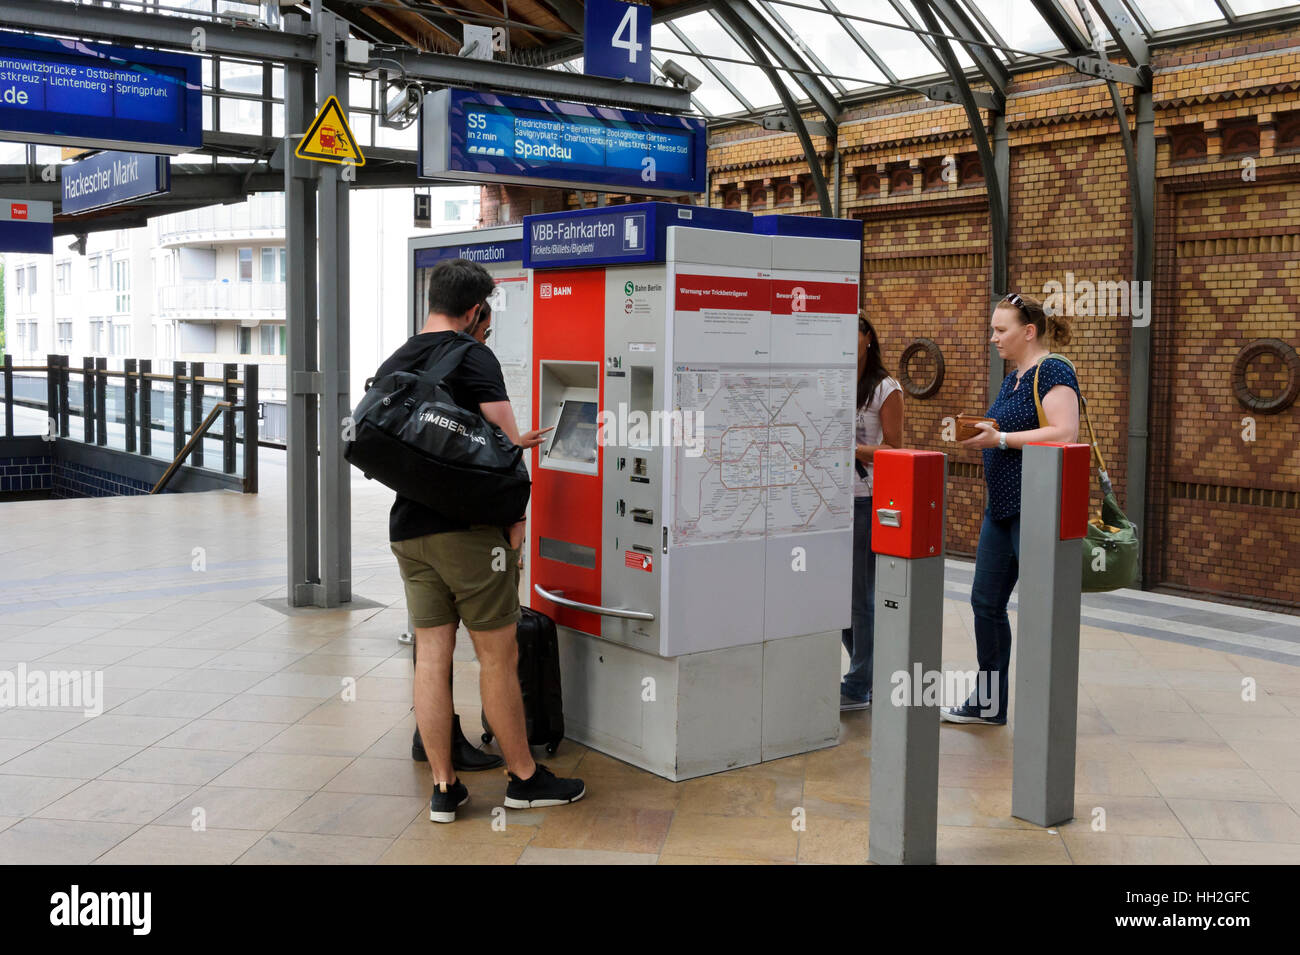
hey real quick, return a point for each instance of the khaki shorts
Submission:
(469, 575)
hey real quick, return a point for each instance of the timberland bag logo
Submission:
(76, 908)
(455, 427)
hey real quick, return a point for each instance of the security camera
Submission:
(403, 108)
(681, 76)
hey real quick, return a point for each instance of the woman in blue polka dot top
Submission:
(1022, 332)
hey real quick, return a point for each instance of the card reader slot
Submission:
(643, 515)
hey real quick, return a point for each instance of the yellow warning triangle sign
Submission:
(330, 138)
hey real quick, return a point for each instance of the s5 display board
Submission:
(484, 137)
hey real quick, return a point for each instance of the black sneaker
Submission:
(446, 800)
(968, 714)
(542, 788)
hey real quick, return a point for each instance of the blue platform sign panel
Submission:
(108, 179)
(483, 137)
(616, 40)
(617, 235)
(485, 253)
(68, 93)
(809, 226)
(26, 226)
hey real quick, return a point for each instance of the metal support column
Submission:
(229, 373)
(101, 401)
(1055, 487)
(1139, 377)
(250, 428)
(196, 409)
(52, 395)
(146, 406)
(178, 408)
(64, 377)
(88, 399)
(128, 402)
(1000, 271)
(335, 346)
(301, 405)
(9, 395)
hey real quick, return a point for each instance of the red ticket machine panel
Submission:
(907, 500)
(565, 535)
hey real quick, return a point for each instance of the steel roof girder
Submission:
(949, 93)
(1125, 31)
(785, 53)
(993, 69)
(1139, 77)
(1064, 28)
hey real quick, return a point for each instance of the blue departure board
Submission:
(484, 137)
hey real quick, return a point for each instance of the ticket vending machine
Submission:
(692, 511)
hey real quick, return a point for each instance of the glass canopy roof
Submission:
(852, 47)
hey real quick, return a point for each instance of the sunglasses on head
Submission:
(1014, 299)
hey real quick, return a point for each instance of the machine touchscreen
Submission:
(574, 438)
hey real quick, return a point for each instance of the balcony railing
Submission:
(214, 301)
(258, 215)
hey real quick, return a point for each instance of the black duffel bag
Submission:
(409, 434)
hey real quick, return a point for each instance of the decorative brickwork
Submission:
(1228, 273)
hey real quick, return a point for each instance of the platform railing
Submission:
(236, 388)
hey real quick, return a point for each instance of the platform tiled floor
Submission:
(224, 738)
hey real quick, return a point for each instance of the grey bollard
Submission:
(907, 537)
(1053, 519)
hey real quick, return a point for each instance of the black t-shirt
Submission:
(475, 381)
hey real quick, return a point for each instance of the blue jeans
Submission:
(859, 639)
(997, 567)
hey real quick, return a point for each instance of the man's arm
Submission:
(501, 414)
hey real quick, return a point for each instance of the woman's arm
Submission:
(891, 426)
(1061, 406)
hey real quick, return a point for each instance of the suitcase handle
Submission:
(557, 597)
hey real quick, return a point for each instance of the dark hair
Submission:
(1031, 311)
(457, 285)
(875, 371)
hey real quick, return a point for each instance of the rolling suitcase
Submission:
(539, 679)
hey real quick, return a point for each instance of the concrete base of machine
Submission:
(701, 713)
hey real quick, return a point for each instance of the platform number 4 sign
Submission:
(617, 40)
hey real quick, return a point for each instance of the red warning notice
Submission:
(638, 561)
(695, 292)
(790, 297)
(18, 210)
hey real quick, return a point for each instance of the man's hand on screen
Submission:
(531, 439)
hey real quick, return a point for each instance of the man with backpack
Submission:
(453, 570)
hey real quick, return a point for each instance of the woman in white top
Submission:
(879, 425)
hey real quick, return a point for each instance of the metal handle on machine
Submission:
(557, 597)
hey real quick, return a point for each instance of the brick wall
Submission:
(1223, 512)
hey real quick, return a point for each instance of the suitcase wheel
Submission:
(486, 737)
(551, 748)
